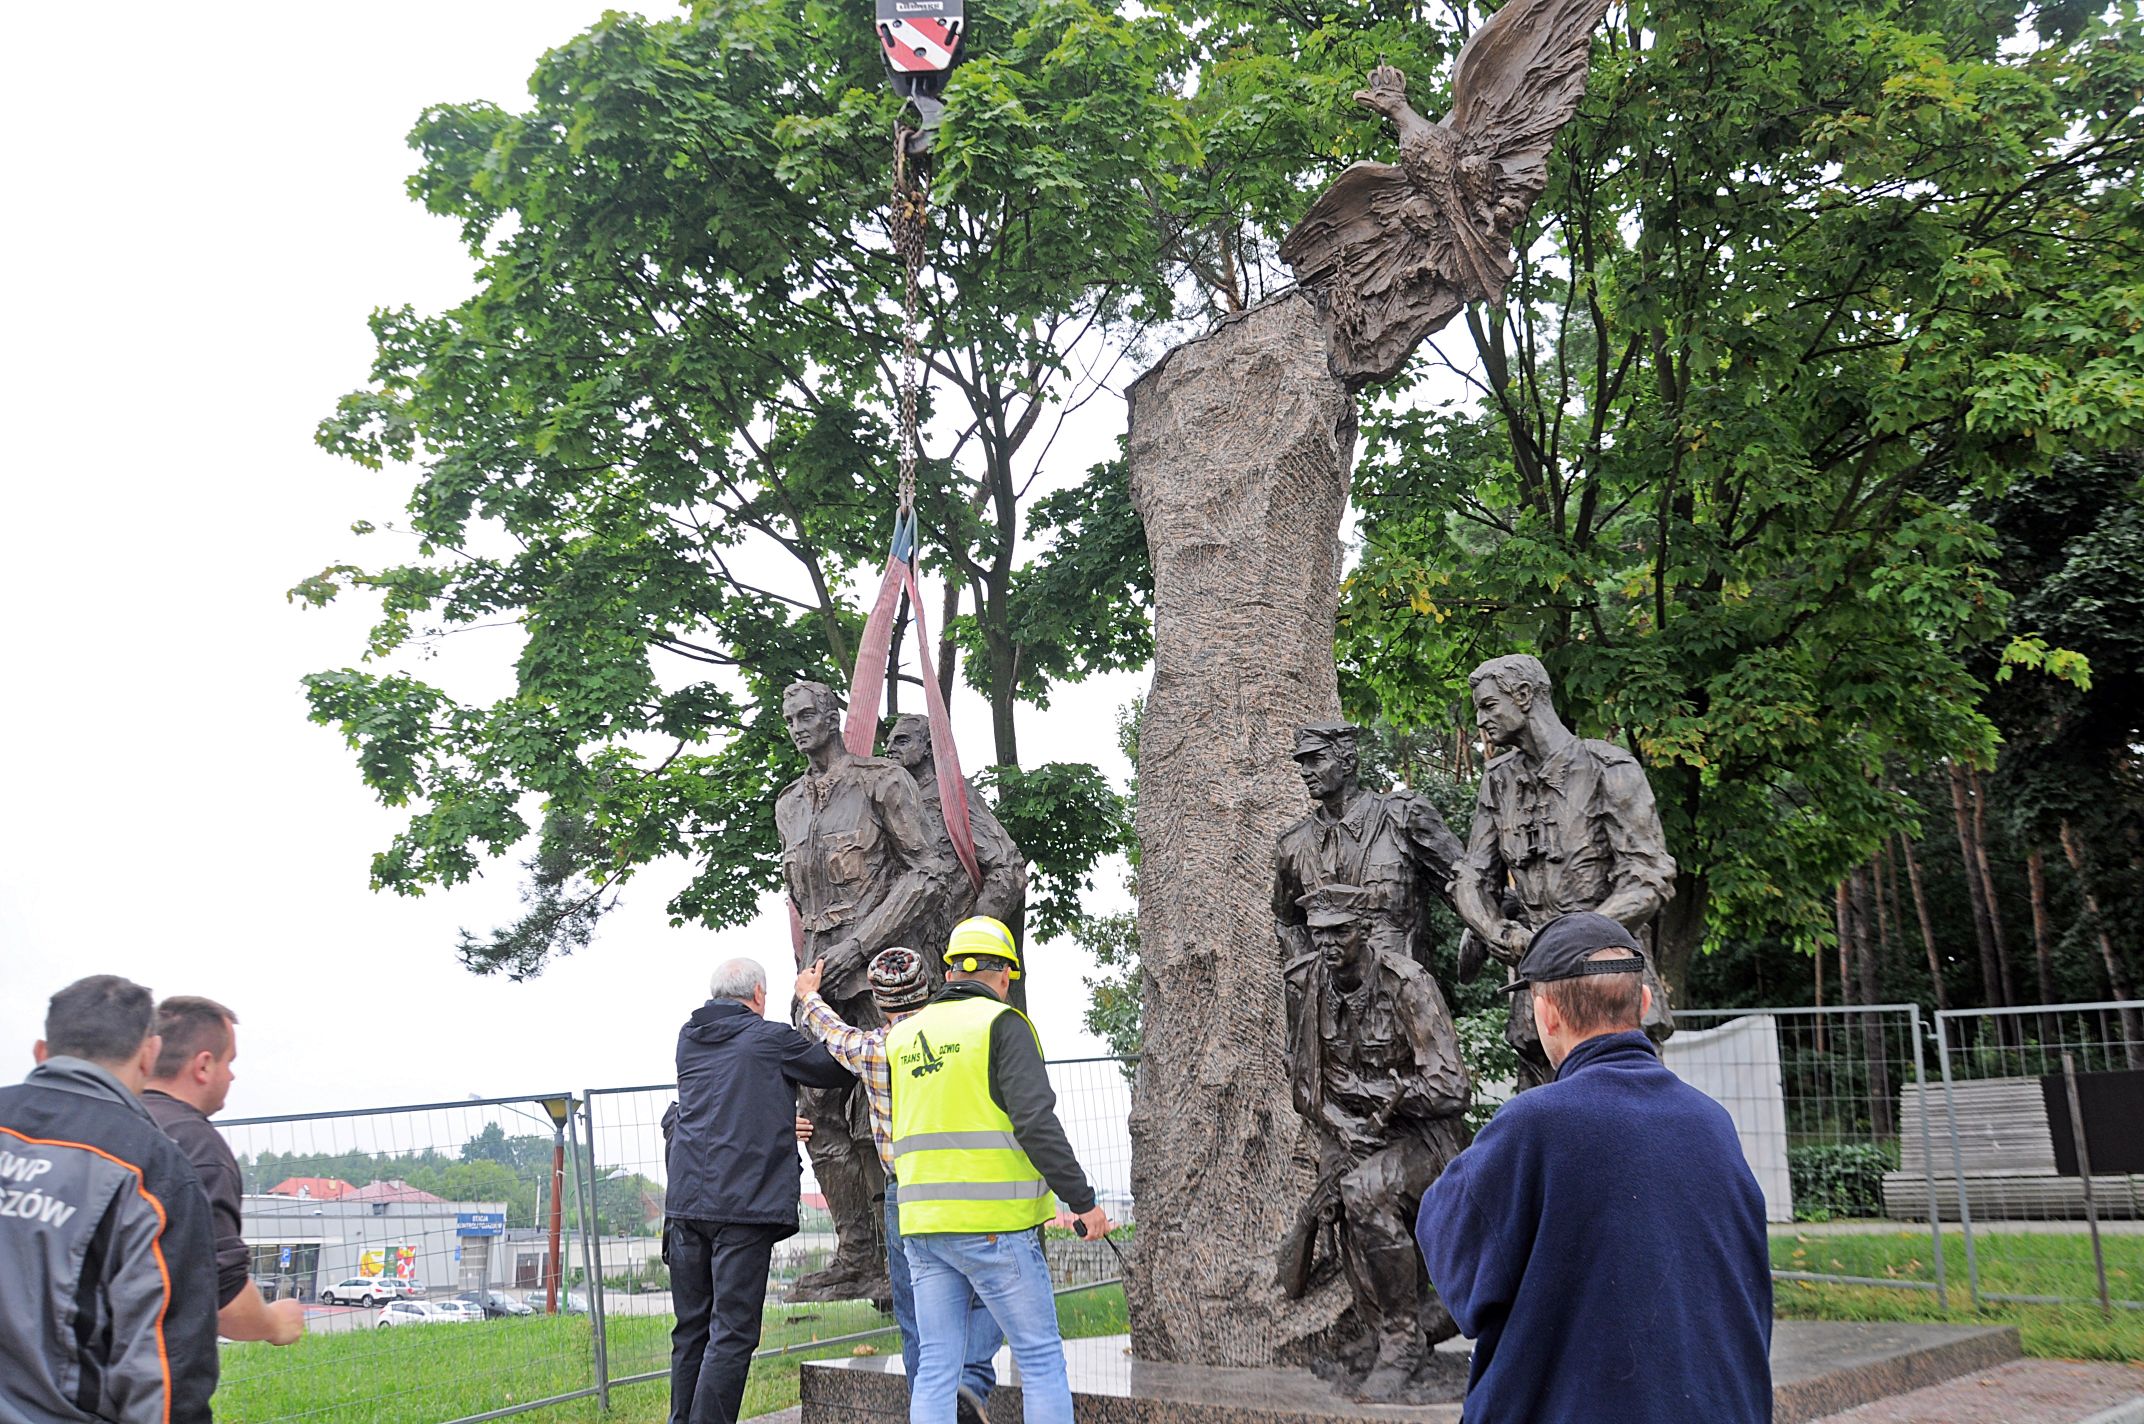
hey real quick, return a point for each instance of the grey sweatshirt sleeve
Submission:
(1021, 1086)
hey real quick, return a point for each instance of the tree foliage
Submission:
(658, 444)
(1809, 285)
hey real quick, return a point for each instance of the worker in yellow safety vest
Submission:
(978, 1152)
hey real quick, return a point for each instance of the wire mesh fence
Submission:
(1830, 1105)
(467, 1214)
(2045, 1174)
(535, 1222)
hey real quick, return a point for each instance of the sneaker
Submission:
(970, 1409)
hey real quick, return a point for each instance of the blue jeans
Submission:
(984, 1337)
(1007, 1271)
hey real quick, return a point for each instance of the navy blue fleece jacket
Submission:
(1603, 1243)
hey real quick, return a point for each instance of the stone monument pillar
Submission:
(1240, 449)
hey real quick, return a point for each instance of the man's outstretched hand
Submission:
(809, 976)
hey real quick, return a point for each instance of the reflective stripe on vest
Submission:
(959, 1165)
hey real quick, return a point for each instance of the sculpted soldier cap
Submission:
(1559, 950)
(1332, 905)
(1319, 735)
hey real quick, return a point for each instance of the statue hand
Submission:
(846, 957)
(1513, 938)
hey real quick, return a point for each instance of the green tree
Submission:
(1809, 284)
(658, 440)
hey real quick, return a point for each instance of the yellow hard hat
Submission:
(977, 939)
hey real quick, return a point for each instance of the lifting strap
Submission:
(909, 210)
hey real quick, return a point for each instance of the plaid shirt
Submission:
(863, 1052)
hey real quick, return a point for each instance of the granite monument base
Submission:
(1818, 1368)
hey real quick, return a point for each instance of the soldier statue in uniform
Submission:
(863, 872)
(1374, 1063)
(1562, 824)
(1392, 845)
(1003, 894)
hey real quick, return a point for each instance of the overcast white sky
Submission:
(208, 202)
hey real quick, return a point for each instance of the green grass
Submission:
(429, 1373)
(2014, 1264)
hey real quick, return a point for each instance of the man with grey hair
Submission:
(1563, 824)
(734, 1183)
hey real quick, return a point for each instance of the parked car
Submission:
(569, 1303)
(366, 1290)
(495, 1303)
(414, 1312)
(466, 1311)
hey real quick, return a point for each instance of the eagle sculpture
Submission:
(1396, 251)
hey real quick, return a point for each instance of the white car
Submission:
(416, 1312)
(364, 1290)
(461, 1310)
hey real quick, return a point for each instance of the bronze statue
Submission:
(1374, 1064)
(1395, 251)
(1003, 893)
(862, 870)
(1562, 823)
(1393, 844)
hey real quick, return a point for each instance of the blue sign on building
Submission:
(479, 1223)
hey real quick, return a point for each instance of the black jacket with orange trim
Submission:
(109, 1310)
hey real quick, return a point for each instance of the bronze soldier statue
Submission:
(1374, 1063)
(1393, 845)
(1003, 894)
(862, 870)
(1562, 824)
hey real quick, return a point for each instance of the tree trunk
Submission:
(2117, 977)
(1818, 959)
(1987, 884)
(1991, 984)
(1928, 930)
(2043, 933)
(1872, 1045)
(1679, 932)
(1239, 452)
(893, 659)
(1842, 913)
(948, 650)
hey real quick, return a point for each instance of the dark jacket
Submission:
(1020, 1084)
(733, 1155)
(188, 1126)
(107, 1278)
(1603, 1241)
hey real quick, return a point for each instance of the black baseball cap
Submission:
(1560, 947)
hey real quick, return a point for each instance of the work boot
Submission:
(969, 1407)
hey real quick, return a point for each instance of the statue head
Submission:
(812, 712)
(1508, 692)
(1338, 917)
(1326, 758)
(909, 743)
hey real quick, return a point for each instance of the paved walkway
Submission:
(2021, 1392)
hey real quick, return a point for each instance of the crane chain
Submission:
(908, 222)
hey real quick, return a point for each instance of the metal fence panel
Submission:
(1834, 1115)
(378, 1220)
(2037, 1227)
(1873, 1174)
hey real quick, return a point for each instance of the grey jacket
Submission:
(109, 1306)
